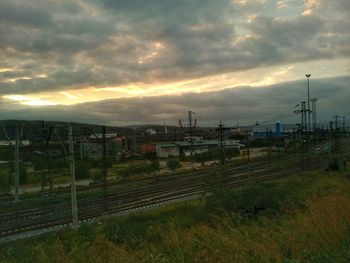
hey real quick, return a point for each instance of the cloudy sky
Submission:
(121, 62)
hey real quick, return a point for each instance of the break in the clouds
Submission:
(75, 51)
(241, 104)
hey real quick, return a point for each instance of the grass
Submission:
(303, 218)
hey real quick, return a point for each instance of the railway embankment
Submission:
(301, 218)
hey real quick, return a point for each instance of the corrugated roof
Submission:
(207, 143)
(165, 145)
(182, 144)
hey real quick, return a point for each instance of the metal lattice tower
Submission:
(314, 119)
(308, 127)
(17, 166)
(104, 167)
(304, 112)
(221, 138)
(337, 136)
(303, 130)
(191, 130)
(72, 176)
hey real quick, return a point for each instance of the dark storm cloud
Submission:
(244, 105)
(100, 43)
(23, 14)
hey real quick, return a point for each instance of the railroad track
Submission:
(152, 186)
(188, 179)
(7, 198)
(36, 219)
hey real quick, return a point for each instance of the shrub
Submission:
(214, 154)
(130, 230)
(150, 156)
(205, 156)
(141, 168)
(99, 163)
(82, 169)
(96, 174)
(173, 164)
(58, 163)
(23, 176)
(154, 166)
(232, 152)
(39, 164)
(254, 199)
(333, 165)
(5, 180)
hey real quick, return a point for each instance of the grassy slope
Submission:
(304, 218)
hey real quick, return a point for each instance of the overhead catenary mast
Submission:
(17, 166)
(165, 128)
(72, 176)
(308, 102)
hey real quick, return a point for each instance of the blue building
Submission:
(268, 132)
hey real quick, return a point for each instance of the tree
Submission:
(82, 169)
(154, 166)
(173, 164)
(22, 172)
(23, 176)
(5, 180)
(39, 164)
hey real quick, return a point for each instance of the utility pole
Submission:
(43, 179)
(81, 150)
(248, 153)
(337, 134)
(191, 134)
(336, 121)
(344, 132)
(332, 138)
(294, 146)
(221, 137)
(303, 129)
(72, 176)
(308, 101)
(104, 167)
(165, 128)
(314, 120)
(222, 151)
(47, 143)
(17, 166)
(269, 136)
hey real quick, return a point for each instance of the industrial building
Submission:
(269, 133)
(199, 145)
(194, 145)
(116, 148)
(160, 150)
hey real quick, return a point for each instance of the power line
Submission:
(280, 116)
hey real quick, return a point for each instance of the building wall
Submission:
(148, 148)
(93, 150)
(165, 152)
(195, 150)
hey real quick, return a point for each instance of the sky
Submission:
(122, 62)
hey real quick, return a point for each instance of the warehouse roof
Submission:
(166, 145)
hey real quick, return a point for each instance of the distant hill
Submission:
(33, 129)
